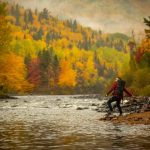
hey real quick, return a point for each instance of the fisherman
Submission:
(117, 90)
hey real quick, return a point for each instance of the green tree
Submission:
(74, 26)
(38, 35)
(27, 59)
(17, 15)
(147, 22)
(30, 16)
(12, 11)
(48, 38)
(44, 14)
(26, 19)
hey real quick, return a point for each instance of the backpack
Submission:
(121, 85)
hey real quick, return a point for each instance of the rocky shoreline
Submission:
(132, 119)
(137, 111)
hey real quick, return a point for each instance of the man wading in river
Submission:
(117, 88)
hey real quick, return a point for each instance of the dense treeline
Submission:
(42, 54)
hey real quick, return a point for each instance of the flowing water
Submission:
(64, 123)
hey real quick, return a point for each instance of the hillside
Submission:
(60, 56)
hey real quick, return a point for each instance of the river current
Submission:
(64, 123)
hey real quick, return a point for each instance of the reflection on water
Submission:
(41, 123)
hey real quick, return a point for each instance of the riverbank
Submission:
(135, 118)
(132, 119)
(137, 111)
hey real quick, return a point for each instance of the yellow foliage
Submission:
(62, 43)
(11, 19)
(12, 73)
(67, 77)
(90, 73)
(17, 32)
(4, 34)
(27, 47)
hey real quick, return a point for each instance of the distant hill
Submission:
(119, 36)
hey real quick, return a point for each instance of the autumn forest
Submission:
(42, 54)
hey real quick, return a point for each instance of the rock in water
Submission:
(81, 108)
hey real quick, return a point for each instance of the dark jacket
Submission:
(114, 89)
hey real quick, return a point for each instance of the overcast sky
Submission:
(107, 15)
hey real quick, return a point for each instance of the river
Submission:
(64, 123)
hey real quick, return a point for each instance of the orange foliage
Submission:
(12, 73)
(144, 47)
(67, 75)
